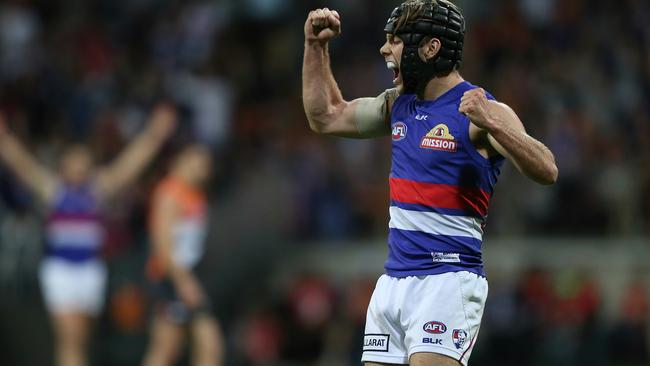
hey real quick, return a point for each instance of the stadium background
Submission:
(299, 220)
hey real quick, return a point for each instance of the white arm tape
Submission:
(371, 114)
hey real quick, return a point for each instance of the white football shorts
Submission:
(434, 313)
(73, 287)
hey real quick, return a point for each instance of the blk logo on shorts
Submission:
(434, 327)
(459, 337)
(437, 342)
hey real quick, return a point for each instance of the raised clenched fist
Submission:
(475, 105)
(322, 25)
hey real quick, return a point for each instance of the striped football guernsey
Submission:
(75, 229)
(440, 188)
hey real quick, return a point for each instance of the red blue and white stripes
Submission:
(439, 198)
(75, 231)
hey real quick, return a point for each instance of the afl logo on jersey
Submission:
(399, 131)
(439, 138)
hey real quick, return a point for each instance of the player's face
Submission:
(203, 165)
(199, 164)
(392, 53)
(76, 165)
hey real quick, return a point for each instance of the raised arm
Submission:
(132, 161)
(506, 134)
(36, 177)
(327, 112)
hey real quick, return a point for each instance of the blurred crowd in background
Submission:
(577, 72)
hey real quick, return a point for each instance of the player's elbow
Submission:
(322, 121)
(549, 175)
(317, 125)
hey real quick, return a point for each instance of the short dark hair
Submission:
(413, 10)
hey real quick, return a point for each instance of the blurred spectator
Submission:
(20, 250)
(629, 338)
(19, 31)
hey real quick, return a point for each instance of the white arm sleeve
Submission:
(372, 116)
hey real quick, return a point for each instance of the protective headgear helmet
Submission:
(436, 19)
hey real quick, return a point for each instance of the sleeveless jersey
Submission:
(190, 229)
(75, 230)
(440, 187)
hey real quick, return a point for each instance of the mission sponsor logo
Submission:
(439, 138)
(376, 342)
(434, 327)
(399, 131)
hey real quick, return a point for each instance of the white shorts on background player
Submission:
(434, 313)
(73, 287)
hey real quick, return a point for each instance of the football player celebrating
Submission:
(449, 141)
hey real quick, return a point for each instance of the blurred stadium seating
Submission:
(299, 220)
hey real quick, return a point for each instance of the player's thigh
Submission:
(71, 328)
(432, 359)
(166, 337)
(206, 333)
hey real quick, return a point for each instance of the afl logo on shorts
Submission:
(399, 131)
(434, 327)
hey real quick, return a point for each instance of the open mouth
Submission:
(393, 66)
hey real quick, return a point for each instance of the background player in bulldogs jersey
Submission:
(450, 139)
(73, 274)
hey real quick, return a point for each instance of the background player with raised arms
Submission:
(450, 139)
(73, 274)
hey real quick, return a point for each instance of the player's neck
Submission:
(440, 85)
(183, 176)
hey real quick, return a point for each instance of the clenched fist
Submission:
(321, 26)
(476, 106)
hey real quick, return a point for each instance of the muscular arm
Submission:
(531, 157)
(326, 110)
(506, 134)
(138, 154)
(36, 177)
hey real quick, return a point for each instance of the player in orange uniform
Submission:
(178, 226)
